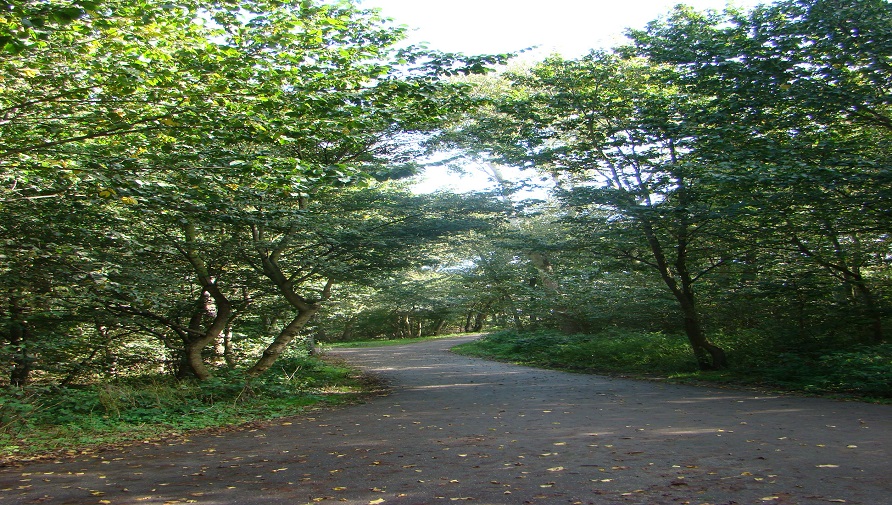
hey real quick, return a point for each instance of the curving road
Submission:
(458, 429)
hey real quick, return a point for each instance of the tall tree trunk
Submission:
(709, 356)
(468, 317)
(21, 362)
(479, 321)
(850, 276)
(305, 309)
(228, 353)
(212, 303)
(567, 322)
(110, 359)
(278, 346)
(515, 314)
(871, 310)
(18, 340)
(347, 332)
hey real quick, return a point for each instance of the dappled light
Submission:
(460, 429)
(221, 283)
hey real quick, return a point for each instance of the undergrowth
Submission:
(861, 372)
(41, 419)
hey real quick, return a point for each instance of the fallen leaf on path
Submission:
(376, 502)
(827, 466)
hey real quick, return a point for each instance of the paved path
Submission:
(458, 430)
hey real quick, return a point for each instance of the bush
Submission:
(612, 351)
(37, 419)
(861, 371)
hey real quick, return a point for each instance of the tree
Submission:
(613, 131)
(210, 135)
(798, 107)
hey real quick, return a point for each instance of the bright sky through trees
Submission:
(568, 27)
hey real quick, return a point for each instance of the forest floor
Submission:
(457, 429)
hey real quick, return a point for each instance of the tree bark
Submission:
(305, 309)
(228, 352)
(18, 340)
(21, 362)
(709, 356)
(278, 346)
(851, 276)
(479, 321)
(212, 303)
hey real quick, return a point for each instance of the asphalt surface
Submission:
(456, 429)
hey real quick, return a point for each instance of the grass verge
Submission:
(40, 421)
(860, 372)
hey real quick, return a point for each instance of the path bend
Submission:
(457, 429)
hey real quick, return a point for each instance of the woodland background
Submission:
(194, 194)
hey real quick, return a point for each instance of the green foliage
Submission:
(183, 185)
(740, 158)
(33, 420)
(859, 372)
(614, 351)
(170, 171)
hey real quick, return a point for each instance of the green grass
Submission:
(858, 372)
(38, 421)
(387, 342)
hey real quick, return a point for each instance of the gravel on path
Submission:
(455, 429)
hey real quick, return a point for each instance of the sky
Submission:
(567, 27)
